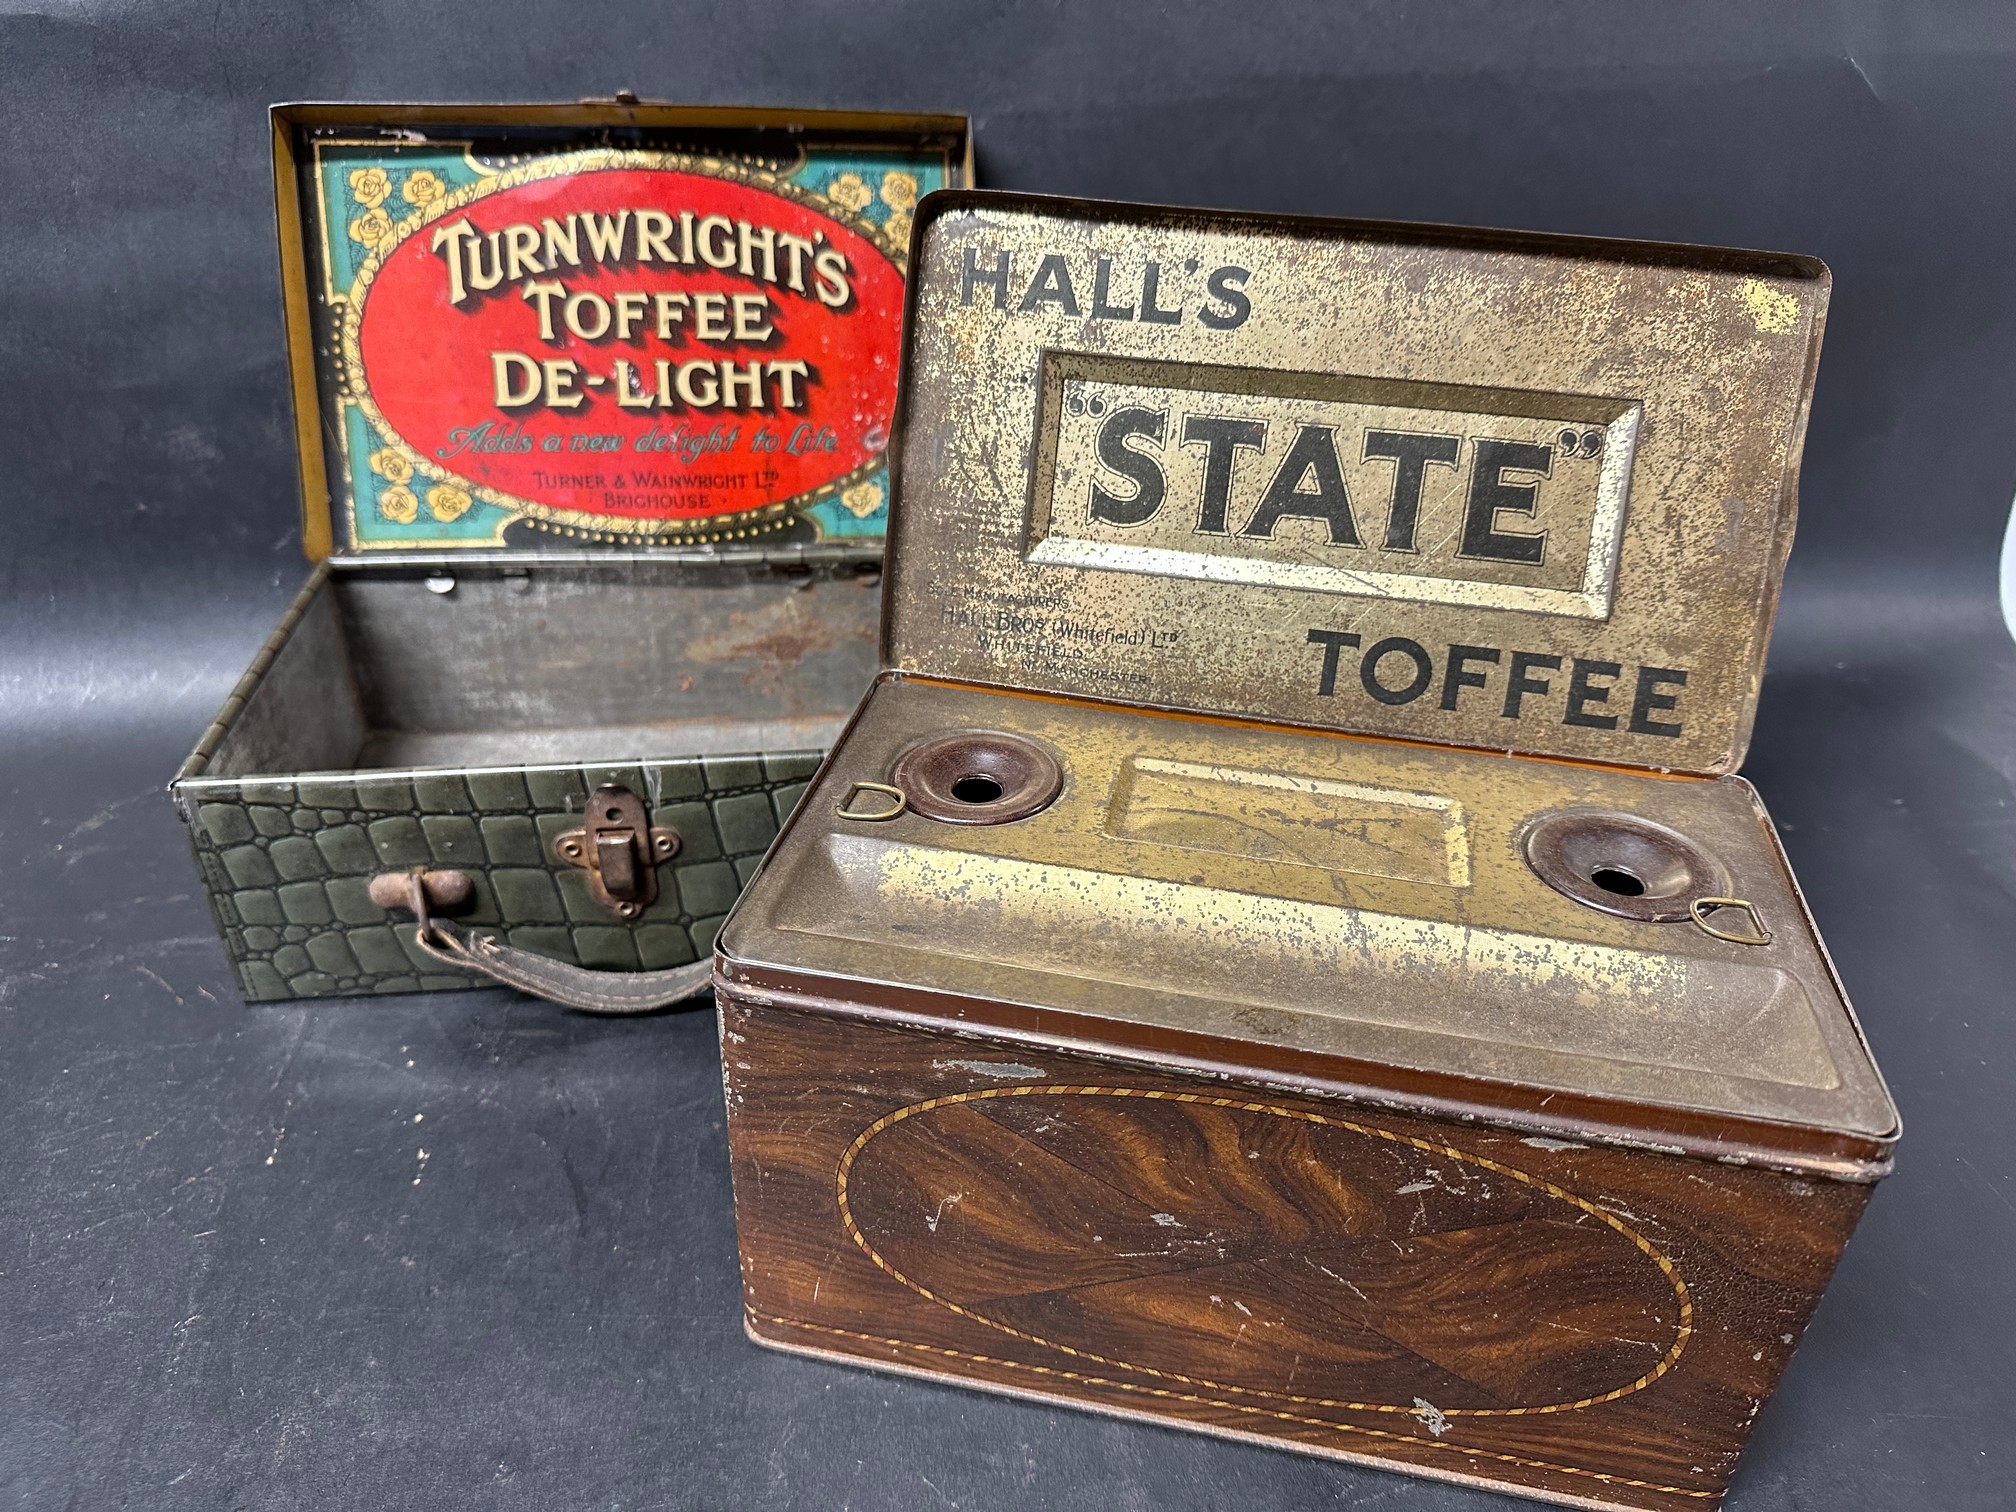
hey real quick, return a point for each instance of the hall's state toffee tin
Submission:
(1282, 950)
(593, 403)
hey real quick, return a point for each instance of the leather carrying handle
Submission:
(613, 992)
(604, 992)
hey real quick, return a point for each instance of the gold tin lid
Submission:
(596, 327)
(1496, 490)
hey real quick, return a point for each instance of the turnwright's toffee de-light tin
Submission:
(592, 402)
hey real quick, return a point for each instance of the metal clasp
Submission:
(1700, 908)
(619, 850)
(845, 809)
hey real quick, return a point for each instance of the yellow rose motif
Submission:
(899, 190)
(850, 193)
(369, 186)
(423, 187)
(391, 465)
(398, 505)
(897, 229)
(863, 499)
(371, 228)
(446, 502)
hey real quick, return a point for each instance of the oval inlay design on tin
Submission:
(1261, 1252)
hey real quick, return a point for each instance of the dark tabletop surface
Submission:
(472, 1251)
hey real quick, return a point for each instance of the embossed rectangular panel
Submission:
(1429, 492)
(1292, 818)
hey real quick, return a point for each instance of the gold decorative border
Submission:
(736, 526)
(1592, 598)
(1683, 1330)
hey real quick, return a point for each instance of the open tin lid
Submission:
(1507, 491)
(596, 327)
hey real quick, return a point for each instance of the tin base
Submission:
(456, 717)
(1216, 1252)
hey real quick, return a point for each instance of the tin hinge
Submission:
(619, 850)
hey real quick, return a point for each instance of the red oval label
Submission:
(622, 342)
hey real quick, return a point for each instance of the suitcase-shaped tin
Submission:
(1282, 949)
(592, 403)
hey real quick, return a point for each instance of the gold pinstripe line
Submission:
(1682, 1331)
(1203, 1401)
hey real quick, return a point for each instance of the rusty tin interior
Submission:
(427, 710)
(1391, 603)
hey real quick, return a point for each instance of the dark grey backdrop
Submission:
(220, 1286)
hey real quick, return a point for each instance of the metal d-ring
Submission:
(1699, 909)
(879, 816)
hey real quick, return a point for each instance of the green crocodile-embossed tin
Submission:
(591, 405)
(288, 866)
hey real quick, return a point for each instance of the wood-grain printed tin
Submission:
(1282, 949)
